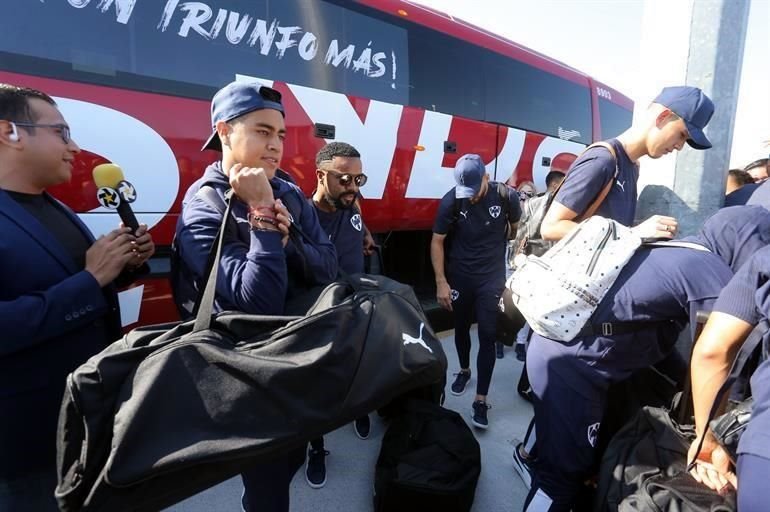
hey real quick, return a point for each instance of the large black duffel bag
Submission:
(429, 460)
(173, 409)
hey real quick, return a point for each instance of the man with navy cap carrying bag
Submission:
(261, 266)
(677, 115)
(471, 274)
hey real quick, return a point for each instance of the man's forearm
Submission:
(711, 360)
(557, 230)
(437, 260)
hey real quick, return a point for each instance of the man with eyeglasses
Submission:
(58, 305)
(339, 177)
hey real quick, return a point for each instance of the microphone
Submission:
(115, 193)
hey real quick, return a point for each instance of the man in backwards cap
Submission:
(261, 264)
(677, 115)
(481, 216)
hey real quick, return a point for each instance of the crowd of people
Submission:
(62, 281)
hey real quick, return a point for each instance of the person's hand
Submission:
(369, 244)
(109, 254)
(251, 185)
(712, 465)
(143, 247)
(444, 295)
(657, 226)
(283, 222)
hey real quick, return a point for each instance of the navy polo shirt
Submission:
(478, 234)
(740, 196)
(346, 231)
(588, 176)
(735, 233)
(747, 297)
(664, 285)
(761, 195)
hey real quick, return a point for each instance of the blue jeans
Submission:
(32, 492)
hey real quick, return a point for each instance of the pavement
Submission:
(350, 465)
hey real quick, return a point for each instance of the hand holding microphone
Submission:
(114, 192)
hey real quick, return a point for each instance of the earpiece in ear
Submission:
(14, 135)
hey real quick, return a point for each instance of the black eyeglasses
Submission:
(63, 129)
(346, 179)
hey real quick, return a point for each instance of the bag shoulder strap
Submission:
(205, 302)
(606, 190)
(676, 243)
(455, 210)
(599, 199)
(502, 192)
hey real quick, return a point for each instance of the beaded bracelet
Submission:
(269, 209)
(266, 220)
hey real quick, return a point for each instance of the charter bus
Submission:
(412, 88)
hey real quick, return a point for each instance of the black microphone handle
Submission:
(128, 217)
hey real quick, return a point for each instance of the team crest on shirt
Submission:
(355, 221)
(593, 434)
(494, 211)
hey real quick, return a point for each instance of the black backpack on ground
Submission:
(171, 410)
(645, 466)
(429, 460)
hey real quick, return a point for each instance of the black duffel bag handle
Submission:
(204, 304)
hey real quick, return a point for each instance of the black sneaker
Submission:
(522, 463)
(458, 386)
(499, 350)
(479, 416)
(315, 469)
(362, 426)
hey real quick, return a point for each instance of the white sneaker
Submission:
(522, 465)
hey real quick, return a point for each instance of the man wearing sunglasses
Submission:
(339, 177)
(58, 305)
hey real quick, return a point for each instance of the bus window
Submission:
(191, 48)
(446, 74)
(526, 97)
(614, 118)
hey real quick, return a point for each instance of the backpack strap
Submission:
(618, 328)
(599, 199)
(676, 243)
(606, 190)
(455, 209)
(502, 192)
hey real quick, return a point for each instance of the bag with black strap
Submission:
(429, 460)
(645, 466)
(170, 410)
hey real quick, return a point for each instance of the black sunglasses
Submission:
(346, 179)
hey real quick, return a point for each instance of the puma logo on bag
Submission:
(408, 340)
